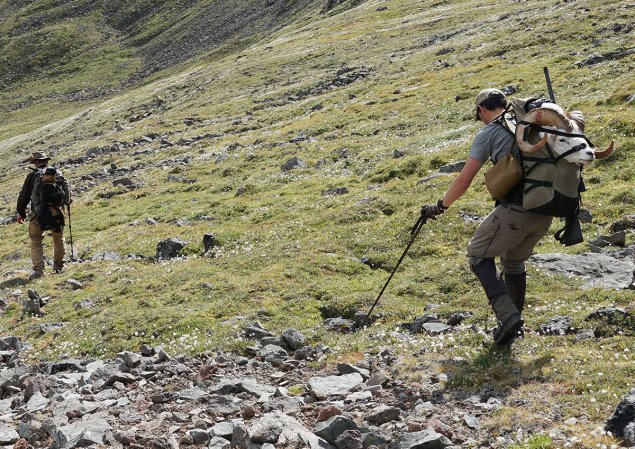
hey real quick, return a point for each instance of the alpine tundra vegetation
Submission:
(263, 161)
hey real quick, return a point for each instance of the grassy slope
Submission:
(287, 250)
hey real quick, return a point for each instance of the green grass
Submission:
(286, 254)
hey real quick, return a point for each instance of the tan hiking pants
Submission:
(36, 234)
(511, 233)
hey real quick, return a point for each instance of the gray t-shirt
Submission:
(492, 142)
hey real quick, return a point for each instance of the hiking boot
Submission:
(36, 275)
(516, 285)
(507, 333)
(57, 270)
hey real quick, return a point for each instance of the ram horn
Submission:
(550, 115)
(578, 118)
(605, 153)
(524, 145)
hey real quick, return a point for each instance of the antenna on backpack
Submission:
(548, 79)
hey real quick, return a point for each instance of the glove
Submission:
(432, 210)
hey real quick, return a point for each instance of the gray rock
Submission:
(68, 365)
(276, 341)
(294, 339)
(8, 220)
(453, 167)
(307, 352)
(294, 434)
(124, 378)
(340, 325)
(256, 331)
(472, 422)
(335, 191)
(427, 439)
(10, 344)
(584, 334)
(222, 405)
(219, 443)
(169, 248)
(198, 436)
(240, 438)
(333, 427)
(349, 439)
(131, 359)
(209, 241)
(608, 314)
(267, 429)
(599, 270)
(559, 325)
(125, 182)
(32, 431)
(255, 388)
(8, 435)
(75, 284)
(81, 434)
(323, 387)
(36, 402)
(435, 328)
(374, 439)
(292, 164)
(47, 328)
(347, 368)
(223, 429)
(383, 414)
(616, 239)
(622, 422)
(192, 394)
(624, 224)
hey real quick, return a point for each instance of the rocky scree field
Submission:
(288, 170)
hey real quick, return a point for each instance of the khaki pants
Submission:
(36, 234)
(511, 233)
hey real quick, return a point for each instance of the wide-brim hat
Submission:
(37, 156)
(486, 94)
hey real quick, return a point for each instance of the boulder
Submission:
(294, 338)
(332, 428)
(169, 248)
(219, 443)
(453, 167)
(559, 325)
(209, 241)
(10, 344)
(349, 439)
(426, 439)
(293, 164)
(8, 435)
(599, 270)
(622, 422)
(323, 387)
(223, 429)
(81, 434)
(383, 414)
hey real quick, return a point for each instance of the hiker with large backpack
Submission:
(509, 232)
(47, 191)
(536, 176)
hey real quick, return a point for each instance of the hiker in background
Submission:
(509, 231)
(47, 191)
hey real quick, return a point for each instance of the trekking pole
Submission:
(70, 232)
(548, 79)
(413, 232)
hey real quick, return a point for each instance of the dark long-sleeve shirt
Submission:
(25, 194)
